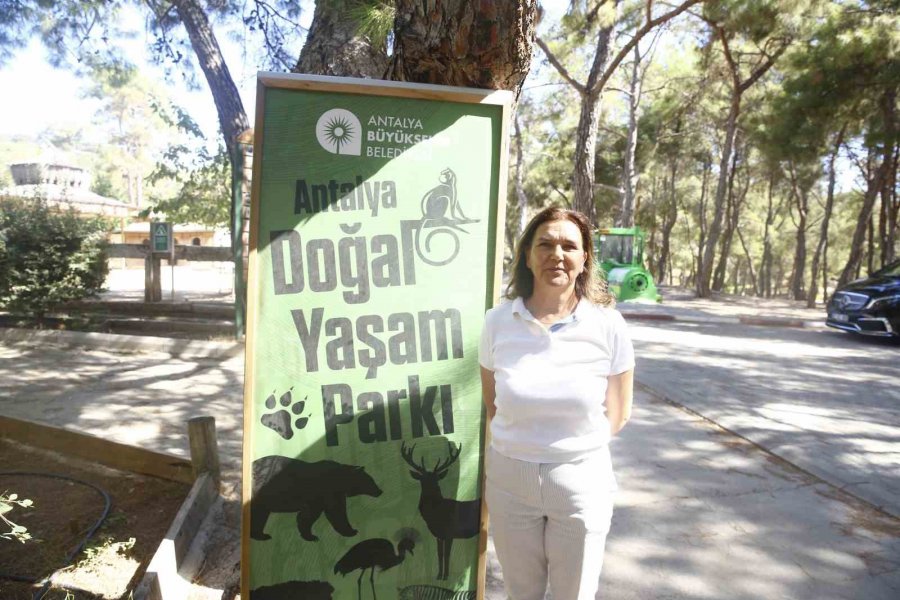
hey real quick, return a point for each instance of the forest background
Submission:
(755, 141)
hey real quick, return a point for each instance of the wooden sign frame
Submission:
(267, 82)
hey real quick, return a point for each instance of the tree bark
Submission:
(798, 277)
(890, 209)
(485, 44)
(586, 156)
(753, 280)
(715, 228)
(826, 218)
(765, 266)
(232, 117)
(730, 221)
(701, 222)
(334, 47)
(669, 220)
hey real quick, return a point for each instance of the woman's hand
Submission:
(488, 391)
(619, 394)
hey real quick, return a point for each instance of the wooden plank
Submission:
(162, 580)
(379, 87)
(182, 252)
(204, 448)
(89, 447)
(497, 292)
(250, 343)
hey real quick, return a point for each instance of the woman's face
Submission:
(556, 256)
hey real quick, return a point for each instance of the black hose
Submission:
(48, 580)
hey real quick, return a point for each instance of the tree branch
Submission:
(761, 69)
(647, 27)
(564, 73)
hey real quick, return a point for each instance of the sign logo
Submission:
(339, 132)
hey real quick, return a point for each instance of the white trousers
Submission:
(550, 521)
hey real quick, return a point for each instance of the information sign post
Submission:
(375, 244)
(162, 241)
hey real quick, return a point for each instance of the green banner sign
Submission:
(374, 241)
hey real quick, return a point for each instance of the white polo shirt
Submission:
(551, 381)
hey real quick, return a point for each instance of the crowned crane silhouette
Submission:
(375, 554)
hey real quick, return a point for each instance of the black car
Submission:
(870, 306)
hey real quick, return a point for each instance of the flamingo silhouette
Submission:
(374, 554)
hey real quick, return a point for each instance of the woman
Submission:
(551, 360)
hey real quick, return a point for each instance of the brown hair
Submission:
(590, 283)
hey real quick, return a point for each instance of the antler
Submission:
(408, 457)
(442, 466)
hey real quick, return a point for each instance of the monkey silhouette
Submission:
(440, 206)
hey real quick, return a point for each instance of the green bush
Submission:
(48, 257)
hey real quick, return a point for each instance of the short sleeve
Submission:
(486, 345)
(622, 351)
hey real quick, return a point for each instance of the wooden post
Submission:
(204, 449)
(148, 278)
(157, 279)
(152, 278)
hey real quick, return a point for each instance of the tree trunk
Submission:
(823, 230)
(753, 281)
(798, 269)
(737, 91)
(485, 44)
(870, 245)
(883, 173)
(731, 217)
(232, 117)
(585, 156)
(765, 263)
(230, 109)
(334, 47)
(854, 261)
(669, 220)
(894, 209)
(701, 222)
(629, 173)
(715, 229)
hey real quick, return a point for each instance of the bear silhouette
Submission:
(289, 485)
(294, 590)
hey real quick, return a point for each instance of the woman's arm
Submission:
(488, 392)
(619, 393)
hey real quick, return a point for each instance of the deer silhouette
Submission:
(447, 519)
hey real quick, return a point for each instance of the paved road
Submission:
(827, 401)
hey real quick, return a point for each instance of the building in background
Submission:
(64, 187)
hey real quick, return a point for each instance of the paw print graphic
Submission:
(280, 421)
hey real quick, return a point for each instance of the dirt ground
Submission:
(115, 557)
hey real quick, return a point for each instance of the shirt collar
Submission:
(522, 311)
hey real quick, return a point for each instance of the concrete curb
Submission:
(123, 343)
(753, 321)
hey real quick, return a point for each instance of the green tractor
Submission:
(620, 253)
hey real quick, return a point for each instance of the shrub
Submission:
(48, 256)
